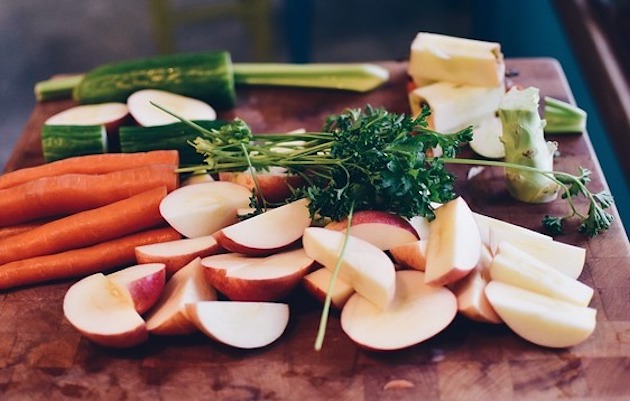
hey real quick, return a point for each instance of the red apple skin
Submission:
(275, 187)
(146, 290)
(175, 262)
(228, 243)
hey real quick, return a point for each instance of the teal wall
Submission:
(531, 28)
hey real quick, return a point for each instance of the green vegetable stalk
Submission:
(525, 145)
(563, 117)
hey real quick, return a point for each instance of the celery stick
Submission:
(563, 118)
(57, 88)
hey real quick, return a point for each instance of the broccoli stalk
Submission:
(525, 145)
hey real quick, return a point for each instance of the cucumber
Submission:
(63, 141)
(204, 75)
(163, 137)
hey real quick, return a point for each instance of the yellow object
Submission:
(254, 14)
(459, 60)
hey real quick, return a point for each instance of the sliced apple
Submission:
(202, 209)
(112, 115)
(417, 313)
(276, 185)
(197, 178)
(411, 255)
(103, 312)
(363, 266)
(383, 229)
(144, 282)
(471, 298)
(243, 278)
(493, 230)
(518, 268)
(318, 282)
(421, 225)
(540, 319)
(141, 106)
(187, 285)
(268, 232)
(246, 325)
(178, 253)
(454, 246)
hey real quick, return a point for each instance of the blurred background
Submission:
(42, 38)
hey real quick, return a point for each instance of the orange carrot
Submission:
(102, 257)
(82, 229)
(8, 231)
(70, 193)
(89, 164)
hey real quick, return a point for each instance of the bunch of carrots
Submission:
(82, 215)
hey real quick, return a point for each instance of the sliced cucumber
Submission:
(63, 141)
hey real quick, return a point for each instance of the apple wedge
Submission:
(317, 283)
(275, 185)
(268, 232)
(144, 282)
(494, 230)
(454, 246)
(520, 269)
(178, 253)
(417, 313)
(103, 312)
(187, 285)
(471, 298)
(246, 278)
(202, 209)
(112, 115)
(383, 229)
(246, 325)
(412, 255)
(540, 319)
(142, 109)
(363, 266)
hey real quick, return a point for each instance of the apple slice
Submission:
(363, 266)
(317, 283)
(518, 268)
(104, 312)
(471, 298)
(197, 178)
(244, 278)
(540, 319)
(276, 184)
(144, 282)
(383, 229)
(146, 114)
(246, 325)
(417, 313)
(188, 285)
(411, 255)
(494, 230)
(112, 115)
(269, 232)
(454, 246)
(202, 209)
(178, 253)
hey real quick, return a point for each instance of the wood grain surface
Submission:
(43, 358)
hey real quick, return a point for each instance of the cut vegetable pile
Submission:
(362, 216)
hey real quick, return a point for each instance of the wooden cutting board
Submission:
(43, 358)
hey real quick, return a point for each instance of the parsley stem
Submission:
(321, 332)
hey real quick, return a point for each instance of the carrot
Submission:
(8, 231)
(86, 228)
(101, 257)
(89, 164)
(71, 193)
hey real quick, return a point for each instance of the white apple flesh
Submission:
(246, 325)
(112, 115)
(142, 109)
(202, 209)
(417, 313)
(518, 268)
(178, 253)
(144, 282)
(187, 285)
(363, 266)
(454, 246)
(317, 283)
(103, 312)
(383, 229)
(275, 185)
(244, 278)
(540, 319)
(412, 255)
(268, 232)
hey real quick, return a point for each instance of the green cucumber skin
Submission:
(164, 137)
(207, 76)
(63, 141)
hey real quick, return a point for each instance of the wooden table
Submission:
(43, 358)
